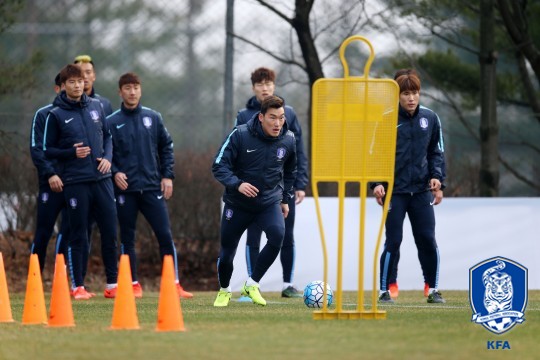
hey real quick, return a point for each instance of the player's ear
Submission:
(261, 117)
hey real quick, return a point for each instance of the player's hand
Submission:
(379, 193)
(166, 188)
(56, 183)
(300, 195)
(120, 179)
(437, 197)
(82, 151)
(248, 190)
(285, 209)
(104, 165)
(434, 185)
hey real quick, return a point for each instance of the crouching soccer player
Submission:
(257, 166)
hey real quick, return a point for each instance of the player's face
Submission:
(131, 95)
(263, 89)
(89, 76)
(409, 100)
(272, 121)
(74, 88)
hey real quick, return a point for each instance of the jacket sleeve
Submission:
(51, 139)
(225, 160)
(44, 166)
(289, 173)
(302, 177)
(107, 140)
(165, 150)
(435, 155)
(240, 118)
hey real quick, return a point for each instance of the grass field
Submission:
(282, 330)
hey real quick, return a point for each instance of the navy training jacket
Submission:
(70, 122)
(105, 103)
(253, 106)
(45, 167)
(268, 163)
(142, 148)
(419, 151)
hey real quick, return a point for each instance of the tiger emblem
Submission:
(499, 290)
(498, 294)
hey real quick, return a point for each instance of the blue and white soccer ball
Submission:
(314, 293)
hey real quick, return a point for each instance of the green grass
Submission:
(282, 330)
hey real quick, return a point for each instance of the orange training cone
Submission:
(61, 311)
(125, 311)
(169, 308)
(34, 302)
(5, 306)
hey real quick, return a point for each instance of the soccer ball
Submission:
(314, 292)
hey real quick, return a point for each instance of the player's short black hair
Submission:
(128, 78)
(272, 102)
(57, 81)
(262, 74)
(70, 71)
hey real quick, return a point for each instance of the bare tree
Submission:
(489, 129)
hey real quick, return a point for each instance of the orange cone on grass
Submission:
(125, 311)
(34, 302)
(5, 306)
(169, 308)
(61, 311)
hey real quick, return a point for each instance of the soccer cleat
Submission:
(385, 298)
(80, 293)
(88, 291)
(183, 293)
(223, 298)
(110, 293)
(137, 290)
(435, 298)
(426, 290)
(291, 292)
(394, 290)
(254, 293)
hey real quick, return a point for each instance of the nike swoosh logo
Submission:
(248, 150)
(120, 126)
(399, 125)
(68, 120)
(160, 197)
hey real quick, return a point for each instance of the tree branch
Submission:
(518, 175)
(530, 92)
(268, 52)
(275, 11)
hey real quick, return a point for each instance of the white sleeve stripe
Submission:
(222, 150)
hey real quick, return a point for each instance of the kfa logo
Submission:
(498, 345)
(147, 122)
(498, 293)
(280, 153)
(73, 203)
(121, 200)
(228, 214)
(94, 115)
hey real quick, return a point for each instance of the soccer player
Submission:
(263, 86)
(87, 66)
(77, 136)
(257, 166)
(437, 199)
(50, 201)
(143, 162)
(418, 175)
